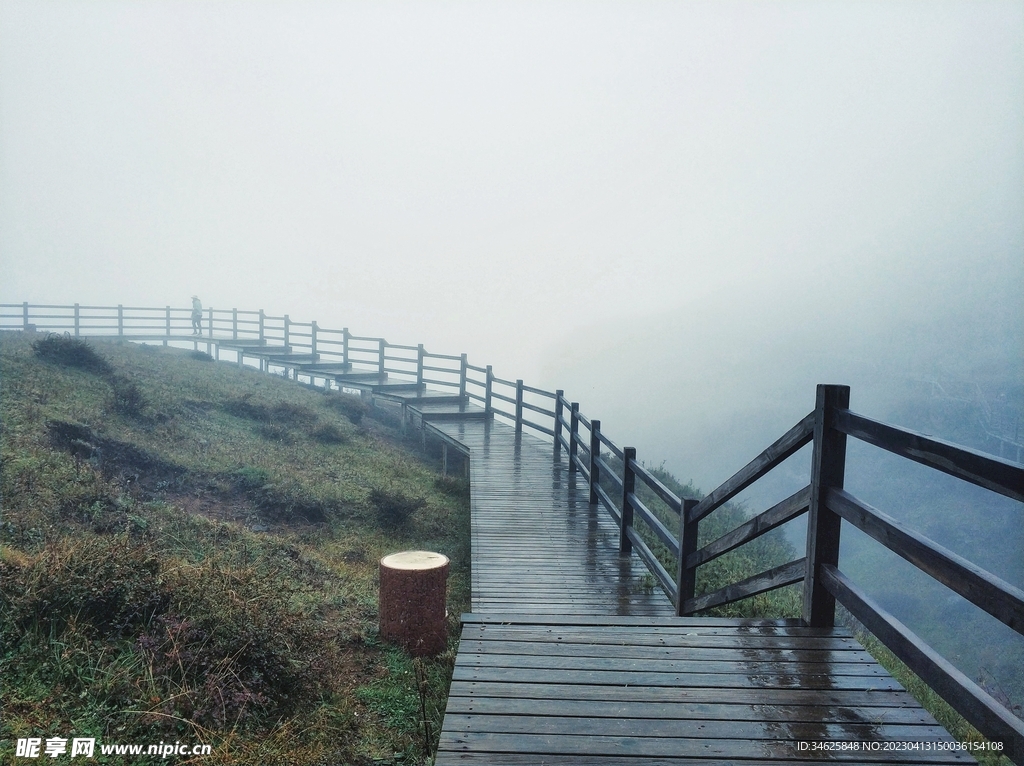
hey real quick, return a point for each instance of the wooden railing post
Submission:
(24, 316)
(595, 455)
(574, 429)
(78, 324)
(519, 406)
(263, 324)
(628, 487)
(287, 338)
(312, 340)
(380, 366)
(686, 577)
(419, 364)
(559, 394)
(828, 469)
(344, 345)
(463, 373)
(120, 320)
(167, 321)
(234, 324)
(210, 318)
(487, 389)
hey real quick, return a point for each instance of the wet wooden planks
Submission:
(538, 547)
(676, 690)
(570, 657)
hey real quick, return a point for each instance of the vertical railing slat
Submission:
(574, 428)
(519, 406)
(463, 374)
(559, 394)
(686, 577)
(828, 469)
(595, 454)
(628, 487)
(487, 389)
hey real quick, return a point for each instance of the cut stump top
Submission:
(414, 560)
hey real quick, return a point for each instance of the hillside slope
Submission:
(189, 554)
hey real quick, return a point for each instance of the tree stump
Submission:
(413, 590)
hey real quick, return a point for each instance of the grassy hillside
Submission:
(189, 553)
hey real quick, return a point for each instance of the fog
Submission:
(683, 214)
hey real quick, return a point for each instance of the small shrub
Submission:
(248, 478)
(200, 356)
(328, 433)
(128, 398)
(288, 414)
(352, 407)
(275, 433)
(394, 509)
(452, 486)
(71, 352)
(231, 645)
(283, 414)
(110, 583)
(244, 407)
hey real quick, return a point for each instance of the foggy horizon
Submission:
(713, 204)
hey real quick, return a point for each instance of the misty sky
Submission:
(719, 204)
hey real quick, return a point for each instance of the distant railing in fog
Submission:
(591, 455)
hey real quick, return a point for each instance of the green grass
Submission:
(189, 552)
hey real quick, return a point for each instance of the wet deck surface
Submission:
(538, 545)
(569, 658)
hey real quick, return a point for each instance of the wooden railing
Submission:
(615, 477)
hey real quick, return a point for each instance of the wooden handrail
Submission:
(983, 589)
(988, 471)
(793, 506)
(795, 438)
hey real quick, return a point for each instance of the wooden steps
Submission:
(459, 410)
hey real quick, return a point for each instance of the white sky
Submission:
(566, 190)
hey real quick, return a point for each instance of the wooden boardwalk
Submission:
(570, 657)
(538, 546)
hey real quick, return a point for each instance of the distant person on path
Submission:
(197, 316)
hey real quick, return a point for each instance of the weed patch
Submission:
(127, 399)
(453, 486)
(71, 352)
(394, 509)
(352, 407)
(328, 433)
(250, 478)
(111, 584)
